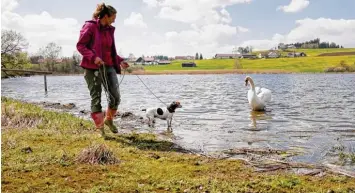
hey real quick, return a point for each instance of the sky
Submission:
(184, 27)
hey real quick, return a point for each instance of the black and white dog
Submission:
(162, 113)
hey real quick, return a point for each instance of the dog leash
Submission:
(151, 91)
(105, 81)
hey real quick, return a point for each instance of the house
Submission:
(184, 57)
(57, 61)
(296, 54)
(131, 59)
(41, 61)
(273, 54)
(145, 61)
(227, 56)
(251, 56)
(188, 64)
(282, 46)
(163, 62)
(263, 55)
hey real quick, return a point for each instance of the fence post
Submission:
(45, 83)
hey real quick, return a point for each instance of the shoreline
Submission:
(204, 72)
(142, 160)
(253, 157)
(197, 72)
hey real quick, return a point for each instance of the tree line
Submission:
(198, 57)
(47, 58)
(311, 44)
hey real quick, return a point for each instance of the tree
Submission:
(281, 46)
(51, 53)
(131, 57)
(201, 56)
(196, 56)
(15, 61)
(35, 59)
(332, 45)
(241, 50)
(250, 49)
(12, 45)
(76, 58)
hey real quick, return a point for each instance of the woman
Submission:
(102, 64)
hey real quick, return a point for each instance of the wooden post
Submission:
(45, 83)
(33, 72)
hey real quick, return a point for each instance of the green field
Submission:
(311, 63)
(316, 52)
(42, 151)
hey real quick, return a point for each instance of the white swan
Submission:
(257, 97)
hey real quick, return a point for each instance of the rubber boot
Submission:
(110, 114)
(98, 118)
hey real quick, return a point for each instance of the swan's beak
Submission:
(246, 82)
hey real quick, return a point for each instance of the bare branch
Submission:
(12, 42)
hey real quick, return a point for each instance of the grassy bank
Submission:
(311, 63)
(42, 152)
(316, 52)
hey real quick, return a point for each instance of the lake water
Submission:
(312, 113)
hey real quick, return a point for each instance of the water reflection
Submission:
(216, 113)
(260, 120)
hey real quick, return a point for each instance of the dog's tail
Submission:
(141, 107)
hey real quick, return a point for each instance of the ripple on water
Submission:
(215, 114)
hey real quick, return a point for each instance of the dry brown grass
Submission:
(11, 119)
(97, 154)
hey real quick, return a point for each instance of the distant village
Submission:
(242, 53)
(280, 51)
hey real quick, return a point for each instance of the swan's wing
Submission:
(265, 95)
(257, 90)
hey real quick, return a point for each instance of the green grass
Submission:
(316, 52)
(201, 65)
(146, 164)
(300, 64)
(311, 63)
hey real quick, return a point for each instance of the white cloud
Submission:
(40, 29)
(210, 30)
(339, 31)
(294, 6)
(205, 39)
(8, 5)
(151, 3)
(226, 18)
(135, 20)
(242, 29)
(187, 11)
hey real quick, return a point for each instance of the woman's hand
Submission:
(124, 65)
(98, 61)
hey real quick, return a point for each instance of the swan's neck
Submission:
(252, 84)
